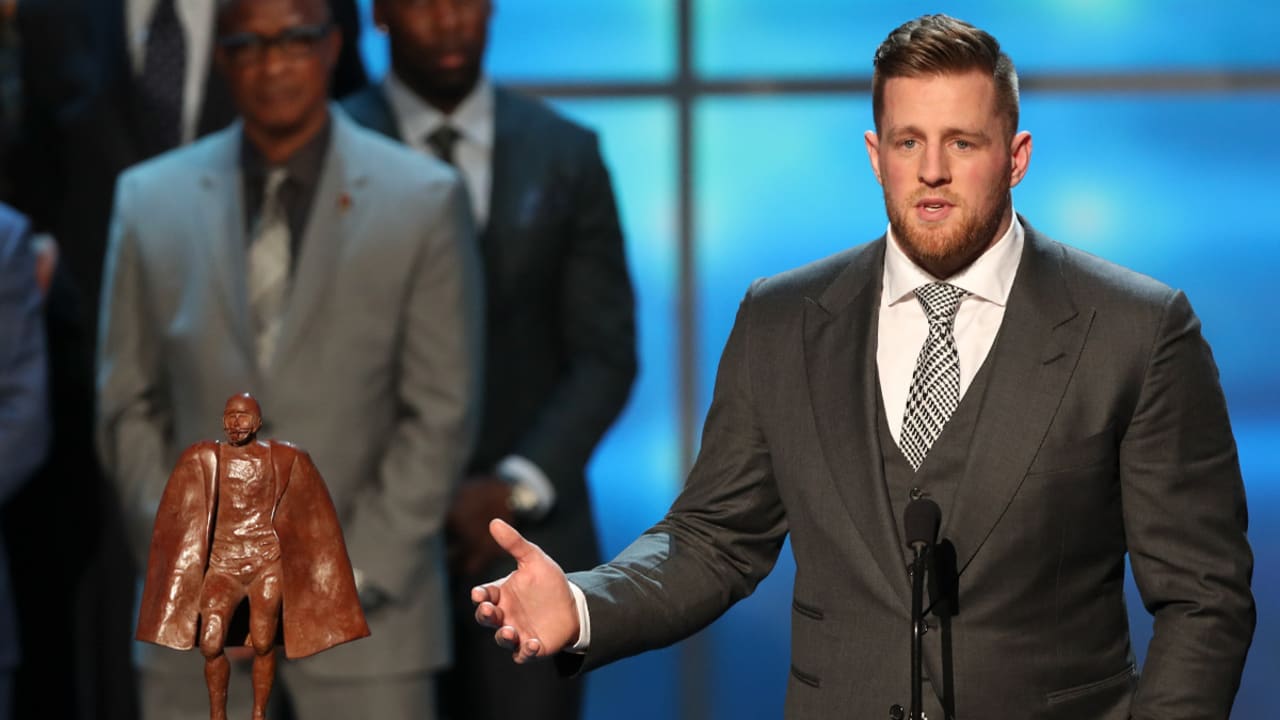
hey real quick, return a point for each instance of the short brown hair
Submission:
(940, 44)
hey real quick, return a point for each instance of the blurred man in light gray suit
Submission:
(332, 274)
(1062, 411)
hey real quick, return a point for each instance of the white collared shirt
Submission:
(903, 325)
(416, 119)
(196, 17)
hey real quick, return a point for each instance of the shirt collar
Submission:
(417, 118)
(303, 167)
(990, 277)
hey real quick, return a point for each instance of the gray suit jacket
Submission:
(1103, 429)
(377, 366)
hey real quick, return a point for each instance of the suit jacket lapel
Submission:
(507, 175)
(218, 225)
(840, 357)
(336, 201)
(1032, 361)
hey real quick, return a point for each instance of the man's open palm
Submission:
(532, 608)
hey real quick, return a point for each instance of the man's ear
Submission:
(1019, 157)
(873, 152)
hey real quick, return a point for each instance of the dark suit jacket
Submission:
(24, 402)
(1103, 429)
(81, 128)
(560, 339)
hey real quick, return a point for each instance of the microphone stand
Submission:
(920, 521)
(918, 568)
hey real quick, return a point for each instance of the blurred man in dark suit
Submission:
(560, 337)
(24, 407)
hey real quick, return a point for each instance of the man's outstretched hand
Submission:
(532, 608)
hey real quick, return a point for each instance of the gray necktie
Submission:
(935, 384)
(442, 140)
(269, 268)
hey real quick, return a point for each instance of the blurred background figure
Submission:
(112, 83)
(560, 332)
(85, 88)
(24, 409)
(332, 274)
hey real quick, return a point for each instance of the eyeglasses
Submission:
(295, 43)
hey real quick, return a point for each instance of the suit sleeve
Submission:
(1185, 523)
(437, 396)
(597, 314)
(24, 405)
(132, 419)
(721, 537)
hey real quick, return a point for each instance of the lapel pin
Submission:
(344, 201)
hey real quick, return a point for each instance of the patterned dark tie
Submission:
(442, 140)
(159, 89)
(935, 384)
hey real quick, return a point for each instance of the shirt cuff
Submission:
(523, 472)
(584, 621)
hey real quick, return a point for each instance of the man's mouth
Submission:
(933, 209)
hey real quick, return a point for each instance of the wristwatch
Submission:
(522, 500)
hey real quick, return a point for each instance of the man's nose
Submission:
(934, 168)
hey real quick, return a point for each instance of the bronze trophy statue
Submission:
(247, 519)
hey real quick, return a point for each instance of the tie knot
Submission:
(274, 180)
(442, 141)
(941, 301)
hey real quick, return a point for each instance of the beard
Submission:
(945, 251)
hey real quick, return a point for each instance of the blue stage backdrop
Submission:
(1176, 183)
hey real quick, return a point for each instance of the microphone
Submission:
(920, 522)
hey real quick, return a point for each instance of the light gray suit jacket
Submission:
(377, 368)
(1103, 429)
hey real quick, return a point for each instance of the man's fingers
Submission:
(489, 615)
(528, 651)
(486, 593)
(510, 540)
(506, 637)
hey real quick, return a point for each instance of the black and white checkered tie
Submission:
(935, 385)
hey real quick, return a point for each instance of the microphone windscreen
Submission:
(920, 521)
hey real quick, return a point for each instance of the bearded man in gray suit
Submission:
(1079, 417)
(331, 273)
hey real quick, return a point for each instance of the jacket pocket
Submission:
(1119, 680)
(1059, 456)
(806, 678)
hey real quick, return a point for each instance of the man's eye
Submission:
(908, 144)
(963, 145)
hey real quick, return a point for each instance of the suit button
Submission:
(916, 493)
(896, 712)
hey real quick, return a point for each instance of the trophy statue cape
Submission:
(319, 605)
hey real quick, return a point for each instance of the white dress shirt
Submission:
(903, 325)
(473, 119)
(197, 17)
